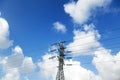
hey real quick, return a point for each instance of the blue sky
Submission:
(32, 26)
(31, 21)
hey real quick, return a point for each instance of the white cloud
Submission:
(12, 74)
(48, 67)
(82, 10)
(16, 64)
(75, 72)
(14, 60)
(103, 59)
(84, 41)
(28, 66)
(18, 50)
(59, 27)
(11, 64)
(107, 65)
(4, 34)
(87, 36)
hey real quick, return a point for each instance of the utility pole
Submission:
(60, 73)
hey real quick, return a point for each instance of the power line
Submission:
(103, 40)
(96, 41)
(112, 30)
(104, 61)
(110, 46)
(89, 51)
(114, 47)
(82, 63)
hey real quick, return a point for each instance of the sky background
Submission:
(34, 25)
(32, 21)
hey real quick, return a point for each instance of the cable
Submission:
(95, 41)
(111, 46)
(92, 34)
(81, 63)
(97, 47)
(78, 45)
(84, 50)
(31, 51)
(90, 51)
(85, 44)
(104, 40)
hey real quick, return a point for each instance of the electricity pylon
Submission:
(60, 73)
(61, 57)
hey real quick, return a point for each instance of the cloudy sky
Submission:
(90, 27)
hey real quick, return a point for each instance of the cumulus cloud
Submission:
(82, 10)
(89, 36)
(12, 74)
(4, 34)
(14, 60)
(59, 27)
(16, 64)
(103, 60)
(84, 41)
(10, 64)
(48, 67)
(28, 66)
(75, 72)
(108, 65)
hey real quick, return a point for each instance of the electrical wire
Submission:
(103, 40)
(102, 33)
(86, 50)
(117, 60)
(112, 30)
(89, 51)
